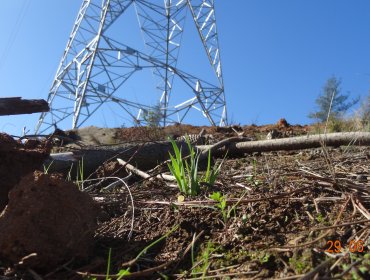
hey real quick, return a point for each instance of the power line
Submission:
(14, 33)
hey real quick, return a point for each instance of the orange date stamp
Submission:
(353, 246)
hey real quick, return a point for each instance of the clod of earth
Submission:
(48, 220)
(16, 160)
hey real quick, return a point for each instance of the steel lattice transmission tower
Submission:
(94, 67)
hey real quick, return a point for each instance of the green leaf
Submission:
(223, 203)
(185, 171)
(108, 264)
(216, 196)
(208, 171)
(123, 272)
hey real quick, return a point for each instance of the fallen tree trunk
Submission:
(293, 143)
(17, 105)
(149, 155)
(145, 156)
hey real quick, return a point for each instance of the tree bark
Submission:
(16, 106)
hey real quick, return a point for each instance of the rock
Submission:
(361, 178)
(273, 134)
(47, 221)
(111, 169)
(17, 160)
(282, 123)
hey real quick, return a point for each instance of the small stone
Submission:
(282, 123)
(273, 134)
(361, 178)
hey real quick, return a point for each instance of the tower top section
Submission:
(98, 69)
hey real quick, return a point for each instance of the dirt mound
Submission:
(16, 160)
(49, 217)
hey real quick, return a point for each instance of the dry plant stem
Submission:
(181, 276)
(362, 234)
(340, 276)
(341, 225)
(340, 259)
(314, 175)
(195, 239)
(353, 205)
(137, 275)
(119, 180)
(133, 261)
(63, 266)
(317, 239)
(327, 158)
(330, 182)
(35, 276)
(329, 111)
(362, 209)
(358, 235)
(142, 273)
(228, 201)
(202, 132)
(115, 156)
(143, 174)
(188, 248)
(290, 277)
(225, 275)
(240, 134)
(166, 177)
(150, 271)
(133, 169)
(317, 269)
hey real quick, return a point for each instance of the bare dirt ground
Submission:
(290, 215)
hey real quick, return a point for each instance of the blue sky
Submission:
(276, 55)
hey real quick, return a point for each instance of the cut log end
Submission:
(17, 106)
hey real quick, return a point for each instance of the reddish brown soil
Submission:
(283, 210)
(17, 160)
(257, 132)
(47, 222)
(282, 207)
